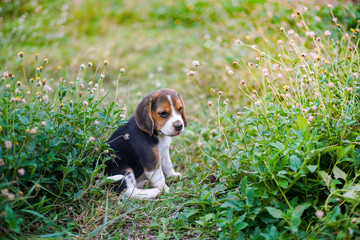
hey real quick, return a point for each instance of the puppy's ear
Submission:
(183, 110)
(143, 117)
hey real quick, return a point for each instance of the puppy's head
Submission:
(162, 112)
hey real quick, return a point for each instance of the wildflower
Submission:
(82, 66)
(253, 96)
(304, 110)
(310, 118)
(276, 67)
(310, 34)
(45, 98)
(282, 29)
(122, 70)
(43, 81)
(21, 193)
(239, 113)
(21, 171)
(191, 73)
(303, 54)
(96, 122)
(11, 197)
(45, 60)
(291, 32)
(59, 67)
(279, 42)
(37, 187)
(355, 75)
(20, 54)
(220, 93)
(304, 9)
(238, 42)
(62, 79)
(330, 6)
(2, 163)
(298, 105)
(8, 144)
(235, 63)
(196, 63)
(102, 76)
(106, 62)
(318, 39)
(318, 19)
(33, 130)
(91, 139)
(210, 103)
(89, 64)
(7, 86)
(85, 103)
(71, 83)
(319, 213)
(331, 85)
(288, 95)
(61, 105)
(350, 89)
(314, 108)
(43, 123)
(318, 57)
(254, 91)
(5, 191)
(327, 33)
(250, 64)
(230, 72)
(334, 20)
(36, 56)
(27, 131)
(257, 103)
(286, 88)
(242, 82)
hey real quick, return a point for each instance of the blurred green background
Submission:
(155, 41)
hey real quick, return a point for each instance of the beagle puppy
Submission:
(141, 147)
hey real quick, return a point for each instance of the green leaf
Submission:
(276, 213)
(56, 141)
(191, 212)
(12, 220)
(312, 168)
(278, 145)
(295, 163)
(302, 123)
(24, 120)
(326, 177)
(243, 185)
(283, 183)
(338, 173)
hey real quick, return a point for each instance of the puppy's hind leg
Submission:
(133, 191)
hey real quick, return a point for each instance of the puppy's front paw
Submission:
(166, 189)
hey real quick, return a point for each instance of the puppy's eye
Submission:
(164, 114)
(180, 109)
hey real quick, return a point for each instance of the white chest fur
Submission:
(164, 145)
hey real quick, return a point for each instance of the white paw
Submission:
(166, 189)
(154, 193)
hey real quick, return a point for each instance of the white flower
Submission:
(33, 130)
(319, 213)
(327, 33)
(191, 73)
(43, 123)
(314, 108)
(331, 85)
(96, 122)
(330, 6)
(8, 144)
(85, 103)
(310, 34)
(21, 171)
(291, 32)
(91, 139)
(196, 63)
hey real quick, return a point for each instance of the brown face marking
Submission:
(149, 114)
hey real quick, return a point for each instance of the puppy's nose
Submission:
(178, 126)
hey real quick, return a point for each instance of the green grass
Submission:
(272, 146)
